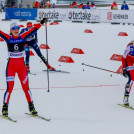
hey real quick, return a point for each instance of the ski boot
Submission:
(32, 109)
(51, 68)
(5, 110)
(126, 99)
(28, 68)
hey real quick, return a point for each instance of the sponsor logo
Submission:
(79, 15)
(50, 15)
(19, 13)
(16, 55)
(62, 16)
(15, 41)
(120, 16)
(70, 15)
(109, 15)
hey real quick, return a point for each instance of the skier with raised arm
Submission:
(15, 44)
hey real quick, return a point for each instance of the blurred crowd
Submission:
(43, 4)
(83, 6)
(124, 6)
(36, 4)
(114, 5)
(88, 5)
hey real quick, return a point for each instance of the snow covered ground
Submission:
(81, 102)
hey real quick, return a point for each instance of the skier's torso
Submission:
(129, 52)
(15, 47)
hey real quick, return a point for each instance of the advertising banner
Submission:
(119, 16)
(53, 14)
(69, 14)
(21, 13)
(83, 15)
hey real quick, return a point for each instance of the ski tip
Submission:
(82, 63)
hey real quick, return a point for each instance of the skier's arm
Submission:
(34, 29)
(5, 36)
(36, 37)
(22, 31)
(30, 32)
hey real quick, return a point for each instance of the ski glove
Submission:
(36, 40)
(44, 20)
(125, 72)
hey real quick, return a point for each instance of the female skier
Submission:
(32, 42)
(128, 70)
(15, 44)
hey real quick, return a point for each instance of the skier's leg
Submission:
(37, 50)
(22, 74)
(10, 75)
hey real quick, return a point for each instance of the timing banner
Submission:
(69, 14)
(119, 16)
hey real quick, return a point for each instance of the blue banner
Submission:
(21, 13)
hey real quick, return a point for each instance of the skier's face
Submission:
(15, 31)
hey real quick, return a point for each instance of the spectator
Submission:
(20, 5)
(124, 6)
(33, 4)
(15, 5)
(87, 6)
(53, 5)
(81, 5)
(1, 7)
(28, 6)
(114, 6)
(74, 4)
(92, 6)
(41, 4)
(37, 4)
(49, 4)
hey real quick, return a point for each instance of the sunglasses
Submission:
(16, 27)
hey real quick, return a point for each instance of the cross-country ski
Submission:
(8, 118)
(38, 116)
(126, 106)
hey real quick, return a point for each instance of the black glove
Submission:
(125, 72)
(44, 20)
(36, 40)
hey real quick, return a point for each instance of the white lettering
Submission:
(25, 80)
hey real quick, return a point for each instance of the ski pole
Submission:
(101, 68)
(47, 58)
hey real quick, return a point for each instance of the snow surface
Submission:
(81, 102)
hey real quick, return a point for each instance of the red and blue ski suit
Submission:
(16, 63)
(128, 63)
